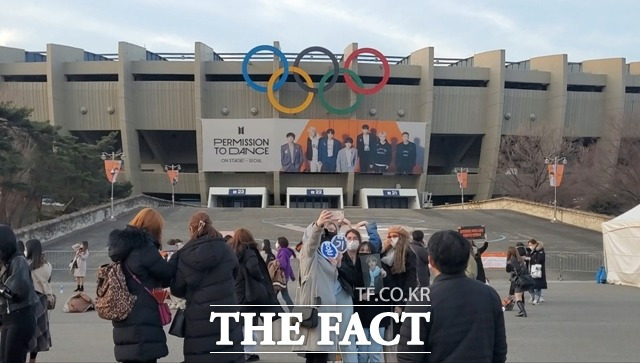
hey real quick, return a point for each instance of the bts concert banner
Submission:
(313, 146)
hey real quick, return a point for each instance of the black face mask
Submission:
(327, 236)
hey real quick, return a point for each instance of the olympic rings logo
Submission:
(279, 77)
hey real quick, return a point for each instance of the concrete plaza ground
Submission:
(579, 322)
(504, 228)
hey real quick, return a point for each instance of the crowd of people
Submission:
(202, 272)
(25, 294)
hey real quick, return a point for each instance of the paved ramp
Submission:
(504, 228)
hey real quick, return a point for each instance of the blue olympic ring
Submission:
(245, 67)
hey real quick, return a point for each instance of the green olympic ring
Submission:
(326, 105)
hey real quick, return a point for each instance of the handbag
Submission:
(165, 313)
(159, 295)
(309, 313)
(536, 271)
(179, 324)
(51, 302)
(523, 278)
(73, 265)
(309, 316)
(254, 290)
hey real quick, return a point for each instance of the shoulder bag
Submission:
(536, 271)
(309, 313)
(159, 295)
(179, 323)
(524, 280)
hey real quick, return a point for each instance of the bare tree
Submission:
(614, 188)
(522, 172)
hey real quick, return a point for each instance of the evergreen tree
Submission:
(36, 160)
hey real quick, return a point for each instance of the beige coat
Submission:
(81, 260)
(41, 277)
(317, 278)
(472, 267)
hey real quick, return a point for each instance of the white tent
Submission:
(621, 240)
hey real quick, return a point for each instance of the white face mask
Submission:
(394, 241)
(353, 245)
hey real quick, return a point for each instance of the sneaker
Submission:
(541, 300)
(531, 301)
(251, 357)
(535, 302)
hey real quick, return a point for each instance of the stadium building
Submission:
(228, 120)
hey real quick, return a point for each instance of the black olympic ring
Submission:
(332, 57)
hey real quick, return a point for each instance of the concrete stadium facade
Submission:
(156, 101)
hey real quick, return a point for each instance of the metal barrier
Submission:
(60, 260)
(559, 262)
(573, 262)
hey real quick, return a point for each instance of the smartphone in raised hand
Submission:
(337, 215)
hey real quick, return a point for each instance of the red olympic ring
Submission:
(386, 72)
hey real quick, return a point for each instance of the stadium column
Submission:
(127, 54)
(57, 56)
(425, 59)
(203, 54)
(494, 114)
(552, 128)
(277, 63)
(614, 99)
(351, 177)
(10, 55)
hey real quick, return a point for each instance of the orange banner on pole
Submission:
(555, 176)
(112, 168)
(462, 179)
(173, 176)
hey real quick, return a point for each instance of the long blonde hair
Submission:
(399, 257)
(151, 222)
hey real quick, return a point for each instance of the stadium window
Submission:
(92, 78)
(26, 78)
(584, 88)
(524, 85)
(632, 90)
(460, 83)
(164, 77)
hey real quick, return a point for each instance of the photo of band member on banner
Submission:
(313, 146)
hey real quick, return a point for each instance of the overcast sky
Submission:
(584, 29)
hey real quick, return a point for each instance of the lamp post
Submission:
(462, 176)
(555, 178)
(112, 168)
(172, 173)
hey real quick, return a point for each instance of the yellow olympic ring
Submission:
(272, 97)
